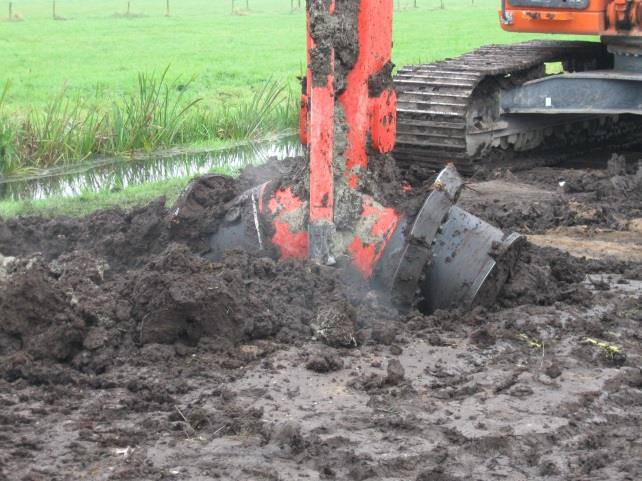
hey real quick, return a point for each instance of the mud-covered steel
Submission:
(348, 114)
(450, 182)
(285, 211)
(320, 151)
(369, 113)
(267, 219)
(319, 135)
(470, 261)
(416, 249)
(348, 109)
(372, 232)
(449, 257)
(271, 219)
(235, 232)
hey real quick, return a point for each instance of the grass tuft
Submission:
(157, 115)
(67, 129)
(610, 350)
(531, 341)
(268, 109)
(9, 159)
(153, 116)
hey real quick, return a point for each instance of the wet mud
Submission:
(126, 354)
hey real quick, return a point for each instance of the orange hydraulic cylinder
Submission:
(320, 137)
(321, 152)
(365, 114)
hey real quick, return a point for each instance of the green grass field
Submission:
(96, 52)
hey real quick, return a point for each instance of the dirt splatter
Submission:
(381, 81)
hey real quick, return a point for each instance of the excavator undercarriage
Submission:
(499, 98)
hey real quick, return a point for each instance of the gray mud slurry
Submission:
(503, 410)
(124, 355)
(489, 413)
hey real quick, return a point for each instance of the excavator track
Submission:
(436, 115)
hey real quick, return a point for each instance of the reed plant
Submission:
(69, 129)
(9, 160)
(157, 115)
(153, 116)
(267, 111)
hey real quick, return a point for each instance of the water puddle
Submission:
(112, 174)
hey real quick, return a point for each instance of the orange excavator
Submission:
(342, 206)
(505, 98)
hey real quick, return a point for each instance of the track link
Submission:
(435, 100)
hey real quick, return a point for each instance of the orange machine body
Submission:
(599, 17)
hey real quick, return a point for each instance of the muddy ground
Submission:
(124, 354)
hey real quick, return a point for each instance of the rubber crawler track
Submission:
(434, 99)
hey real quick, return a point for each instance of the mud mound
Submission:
(76, 310)
(123, 237)
(539, 199)
(126, 238)
(543, 276)
(200, 209)
(87, 291)
(92, 292)
(38, 316)
(162, 363)
(539, 217)
(180, 297)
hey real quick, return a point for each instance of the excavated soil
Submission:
(126, 354)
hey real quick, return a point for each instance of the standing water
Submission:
(118, 173)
